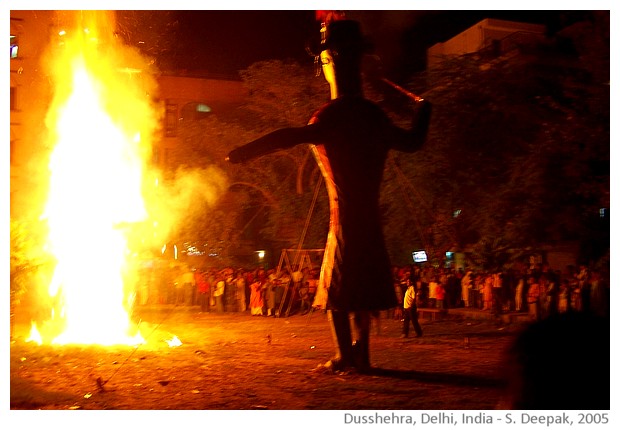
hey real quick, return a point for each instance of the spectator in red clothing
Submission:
(440, 295)
(203, 289)
(533, 298)
(256, 297)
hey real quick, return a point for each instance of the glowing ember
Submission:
(97, 119)
(175, 341)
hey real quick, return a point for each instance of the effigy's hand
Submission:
(422, 111)
(233, 157)
(423, 107)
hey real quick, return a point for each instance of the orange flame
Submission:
(101, 121)
(35, 336)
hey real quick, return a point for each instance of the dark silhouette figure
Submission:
(350, 138)
(560, 363)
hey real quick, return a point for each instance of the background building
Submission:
(30, 94)
(497, 35)
(190, 98)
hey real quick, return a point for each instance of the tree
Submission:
(519, 146)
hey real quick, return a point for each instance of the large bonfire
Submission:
(101, 122)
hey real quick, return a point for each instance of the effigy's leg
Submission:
(341, 331)
(361, 340)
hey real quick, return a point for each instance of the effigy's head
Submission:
(342, 49)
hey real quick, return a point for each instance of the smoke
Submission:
(185, 199)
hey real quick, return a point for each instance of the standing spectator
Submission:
(256, 297)
(497, 293)
(432, 292)
(313, 285)
(218, 293)
(564, 297)
(453, 289)
(212, 277)
(476, 291)
(442, 280)
(304, 297)
(543, 284)
(440, 294)
(188, 285)
(179, 290)
(202, 289)
(166, 291)
(487, 292)
(230, 291)
(400, 286)
(552, 291)
(584, 286)
(465, 287)
(270, 292)
(533, 298)
(410, 311)
(283, 281)
(583, 275)
(575, 295)
(519, 294)
(298, 277)
(598, 295)
(239, 282)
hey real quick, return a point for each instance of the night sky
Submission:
(224, 42)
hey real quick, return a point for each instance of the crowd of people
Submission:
(537, 290)
(259, 291)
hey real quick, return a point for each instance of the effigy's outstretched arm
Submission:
(411, 140)
(280, 139)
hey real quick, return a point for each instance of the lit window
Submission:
(195, 111)
(602, 212)
(201, 107)
(14, 46)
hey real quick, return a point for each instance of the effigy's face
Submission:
(327, 63)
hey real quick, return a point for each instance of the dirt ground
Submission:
(234, 361)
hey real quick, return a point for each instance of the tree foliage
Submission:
(519, 146)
